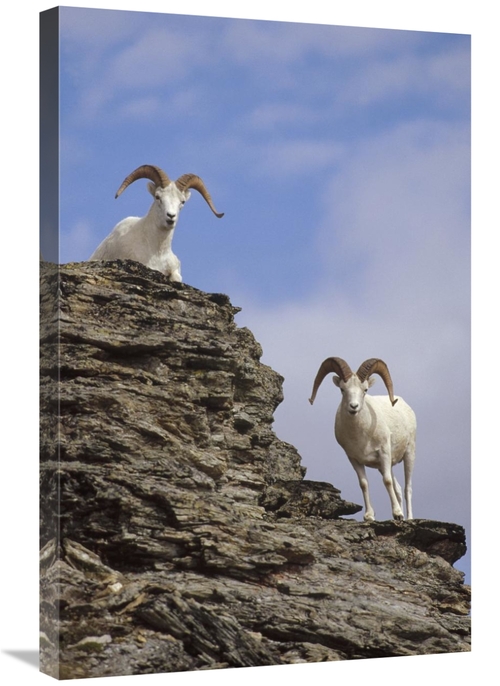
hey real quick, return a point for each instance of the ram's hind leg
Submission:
(408, 461)
(399, 492)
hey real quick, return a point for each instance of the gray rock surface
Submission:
(177, 530)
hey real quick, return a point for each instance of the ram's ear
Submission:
(152, 188)
(371, 381)
(336, 381)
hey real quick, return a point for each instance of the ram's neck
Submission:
(352, 424)
(158, 237)
(164, 239)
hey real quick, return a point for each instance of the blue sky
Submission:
(341, 159)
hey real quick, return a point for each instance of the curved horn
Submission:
(376, 366)
(192, 181)
(332, 364)
(146, 171)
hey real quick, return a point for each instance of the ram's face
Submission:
(353, 392)
(168, 203)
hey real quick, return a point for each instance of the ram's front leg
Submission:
(176, 276)
(173, 268)
(369, 515)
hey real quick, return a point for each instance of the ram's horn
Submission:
(376, 366)
(336, 365)
(147, 171)
(192, 181)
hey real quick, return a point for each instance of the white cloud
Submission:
(444, 76)
(289, 43)
(96, 31)
(148, 64)
(404, 193)
(158, 57)
(450, 72)
(277, 115)
(298, 156)
(159, 106)
(140, 108)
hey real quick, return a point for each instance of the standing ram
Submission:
(149, 239)
(374, 431)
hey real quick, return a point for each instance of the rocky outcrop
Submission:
(177, 530)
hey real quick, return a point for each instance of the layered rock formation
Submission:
(177, 530)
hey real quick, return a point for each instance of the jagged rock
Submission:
(178, 531)
(306, 499)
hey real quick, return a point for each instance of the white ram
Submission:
(149, 239)
(374, 431)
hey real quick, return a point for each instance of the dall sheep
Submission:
(149, 239)
(374, 431)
